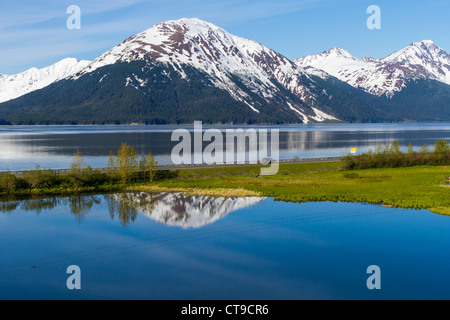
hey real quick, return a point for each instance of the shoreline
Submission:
(222, 124)
(419, 187)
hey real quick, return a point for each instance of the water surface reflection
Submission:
(172, 209)
(22, 148)
(216, 248)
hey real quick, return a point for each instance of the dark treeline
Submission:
(3, 122)
(390, 156)
(114, 94)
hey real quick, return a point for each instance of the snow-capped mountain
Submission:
(184, 70)
(369, 74)
(223, 57)
(426, 57)
(14, 86)
(420, 60)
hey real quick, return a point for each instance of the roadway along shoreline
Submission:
(174, 167)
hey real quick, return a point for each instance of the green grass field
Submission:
(418, 187)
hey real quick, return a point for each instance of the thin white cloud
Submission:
(31, 12)
(234, 10)
(33, 32)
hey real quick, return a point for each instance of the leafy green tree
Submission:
(148, 164)
(424, 149)
(127, 164)
(79, 171)
(409, 157)
(8, 183)
(441, 147)
(395, 156)
(34, 178)
(394, 147)
(441, 151)
(410, 148)
(111, 169)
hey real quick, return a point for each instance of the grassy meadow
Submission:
(419, 187)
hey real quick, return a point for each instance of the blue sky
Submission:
(34, 33)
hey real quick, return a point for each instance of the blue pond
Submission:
(171, 246)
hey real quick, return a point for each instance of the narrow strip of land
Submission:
(169, 167)
(417, 187)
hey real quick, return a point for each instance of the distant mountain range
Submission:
(17, 85)
(387, 76)
(185, 70)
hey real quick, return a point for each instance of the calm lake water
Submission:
(23, 148)
(170, 246)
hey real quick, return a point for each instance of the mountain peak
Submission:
(423, 43)
(339, 52)
(224, 60)
(334, 56)
(188, 25)
(193, 21)
(419, 60)
(420, 48)
(170, 41)
(199, 44)
(179, 29)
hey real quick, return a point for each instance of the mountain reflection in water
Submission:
(172, 209)
(188, 211)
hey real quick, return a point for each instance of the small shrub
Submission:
(351, 175)
(8, 183)
(36, 178)
(349, 162)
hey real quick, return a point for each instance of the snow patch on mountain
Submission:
(322, 116)
(300, 114)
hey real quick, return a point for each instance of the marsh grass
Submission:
(419, 187)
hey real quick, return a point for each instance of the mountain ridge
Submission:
(183, 70)
(17, 85)
(388, 75)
